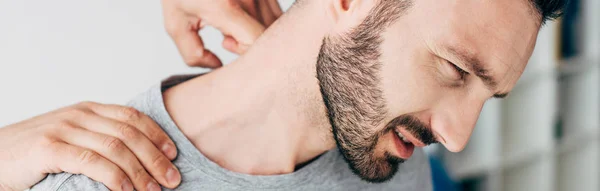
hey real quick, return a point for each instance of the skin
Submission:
(109, 143)
(240, 21)
(499, 37)
(270, 94)
(117, 145)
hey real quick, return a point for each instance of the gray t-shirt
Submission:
(327, 172)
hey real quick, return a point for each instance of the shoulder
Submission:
(68, 182)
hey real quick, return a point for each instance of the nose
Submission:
(455, 122)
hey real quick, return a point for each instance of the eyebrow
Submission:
(474, 64)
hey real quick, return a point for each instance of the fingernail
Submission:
(153, 186)
(126, 186)
(173, 176)
(169, 150)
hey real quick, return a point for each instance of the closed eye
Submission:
(462, 73)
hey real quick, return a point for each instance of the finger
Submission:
(154, 161)
(190, 45)
(268, 16)
(251, 7)
(275, 8)
(184, 33)
(142, 122)
(112, 149)
(235, 22)
(77, 160)
(230, 44)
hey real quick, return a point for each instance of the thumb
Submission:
(231, 45)
(238, 24)
(191, 47)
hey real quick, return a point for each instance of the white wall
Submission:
(55, 53)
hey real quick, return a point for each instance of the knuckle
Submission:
(159, 161)
(139, 174)
(63, 125)
(46, 140)
(155, 136)
(193, 59)
(114, 144)
(127, 131)
(75, 113)
(129, 114)
(87, 103)
(231, 4)
(52, 148)
(87, 157)
(171, 28)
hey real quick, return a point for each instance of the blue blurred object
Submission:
(569, 30)
(441, 179)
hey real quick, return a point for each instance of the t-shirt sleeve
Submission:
(68, 182)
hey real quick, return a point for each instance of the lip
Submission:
(411, 138)
(405, 150)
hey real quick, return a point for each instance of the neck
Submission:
(262, 114)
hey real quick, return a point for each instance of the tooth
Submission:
(404, 139)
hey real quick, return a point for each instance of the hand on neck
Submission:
(263, 114)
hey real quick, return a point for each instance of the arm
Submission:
(117, 145)
(101, 141)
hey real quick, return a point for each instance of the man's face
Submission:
(415, 73)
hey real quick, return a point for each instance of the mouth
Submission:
(405, 143)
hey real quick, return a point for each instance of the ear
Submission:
(346, 14)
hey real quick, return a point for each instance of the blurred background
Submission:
(544, 136)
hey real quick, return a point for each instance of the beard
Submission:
(348, 69)
(355, 105)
